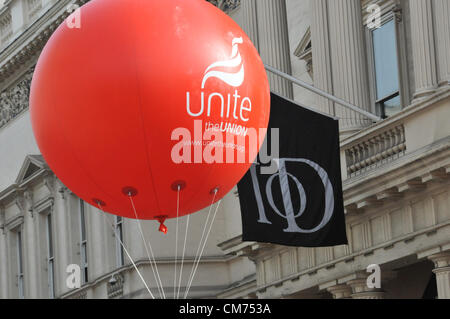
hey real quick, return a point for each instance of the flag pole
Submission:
(322, 93)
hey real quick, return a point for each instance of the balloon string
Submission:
(197, 254)
(182, 258)
(152, 260)
(200, 242)
(126, 251)
(203, 248)
(176, 245)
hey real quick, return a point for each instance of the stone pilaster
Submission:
(3, 258)
(442, 271)
(442, 30)
(250, 23)
(31, 241)
(101, 232)
(274, 42)
(348, 61)
(423, 47)
(61, 241)
(321, 53)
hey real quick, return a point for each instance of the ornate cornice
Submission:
(226, 6)
(15, 99)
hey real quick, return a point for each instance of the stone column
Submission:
(349, 63)
(274, 42)
(442, 271)
(340, 291)
(423, 47)
(442, 29)
(321, 53)
(250, 23)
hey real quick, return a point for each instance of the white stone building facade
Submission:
(395, 172)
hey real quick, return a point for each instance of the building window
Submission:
(83, 243)
(388, 59)
(50, 257)
(386, 69)
(20, 277)
(119, 240)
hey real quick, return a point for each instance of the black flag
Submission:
(299, 201)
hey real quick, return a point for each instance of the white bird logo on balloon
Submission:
(233, 79)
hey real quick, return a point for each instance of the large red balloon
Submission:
(106, 98)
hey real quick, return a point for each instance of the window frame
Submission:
(118, 230)
(50, 255)
(83, 242)
(20, 265)
(394, 13)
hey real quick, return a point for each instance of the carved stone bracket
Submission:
(50, 182)
(28, 196)
(2, 219)
(115, 286)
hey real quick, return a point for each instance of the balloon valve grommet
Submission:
(129, 191)
(215, 190)
(162, 228)
(178, 186)
(99, 202)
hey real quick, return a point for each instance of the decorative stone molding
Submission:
(115, 286)
(226, 6)
(14, 223)
(15, 99)
(44, 205)
(376, 151)
(340, 291)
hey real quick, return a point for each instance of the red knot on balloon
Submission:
(178, 186)
(162, 228)
(129, 191)
(99, 202)
(215, 190)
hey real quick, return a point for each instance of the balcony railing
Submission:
(376, 151)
